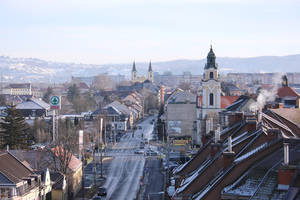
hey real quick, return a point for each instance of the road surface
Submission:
(125, 170)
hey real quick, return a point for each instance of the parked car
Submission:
(102, 192)
(172, 165)
(138, 151)
(142, 147)
(151, 153)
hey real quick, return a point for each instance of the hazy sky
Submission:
(116, 31)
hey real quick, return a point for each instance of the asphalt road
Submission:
(125, 170)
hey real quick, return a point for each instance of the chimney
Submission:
(251, 125)
(238, 116)
(259, 116)
(228, 156)
(229, 144)
(207, 126)
(217, 134)
(286, 153)
(214, 149)
(226, 120)
(231, 119)
(286, 172)
(205, 139)
(280, 105)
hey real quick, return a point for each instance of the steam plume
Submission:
(267, 95)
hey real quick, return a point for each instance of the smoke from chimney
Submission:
(267, 95)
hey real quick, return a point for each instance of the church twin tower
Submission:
(134, 74)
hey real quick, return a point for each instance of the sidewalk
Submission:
(153, 180)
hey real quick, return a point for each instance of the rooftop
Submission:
(12, 170)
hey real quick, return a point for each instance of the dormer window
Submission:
(211, 75)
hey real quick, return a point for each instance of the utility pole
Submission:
(95, 166)
(100, 137)
(114, 130)
(53, 126)
(163, 130)
(168, 158)
(105, 132)
(82, 178)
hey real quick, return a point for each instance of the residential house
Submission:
(120, 116)
(250, 142)
(34, 108)
(286, 95)
(59, 186)
(124, 110)
(40, 160)
(116, 120)
(17, 180)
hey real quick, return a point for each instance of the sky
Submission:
(118, 31)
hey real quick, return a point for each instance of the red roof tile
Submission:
(228, 100)
(225, 101)
(287, 92)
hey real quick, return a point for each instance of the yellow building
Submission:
(18, 89)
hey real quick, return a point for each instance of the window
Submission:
(211, 75)
(211, 99)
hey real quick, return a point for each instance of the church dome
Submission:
(211, 60)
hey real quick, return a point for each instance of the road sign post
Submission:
(55, 104)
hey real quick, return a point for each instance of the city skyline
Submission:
(122, 31)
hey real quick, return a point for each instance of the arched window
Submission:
(211, 99)
(211, 75)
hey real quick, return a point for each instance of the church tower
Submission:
(209, 104)
(150, 73)
(211, 85)
(133, 73)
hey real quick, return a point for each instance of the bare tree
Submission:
(185, 86)
(103, 82)
(65, 145)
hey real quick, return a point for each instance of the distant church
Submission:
(210, 103)
(135, 78)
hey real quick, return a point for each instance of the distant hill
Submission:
(36, 70)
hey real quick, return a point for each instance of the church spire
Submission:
(150, 67)
(133, 67)
(211, 59)
(133, 73)
(150, 73)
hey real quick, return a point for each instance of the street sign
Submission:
(55, 102)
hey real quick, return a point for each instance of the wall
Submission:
(186, 113)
